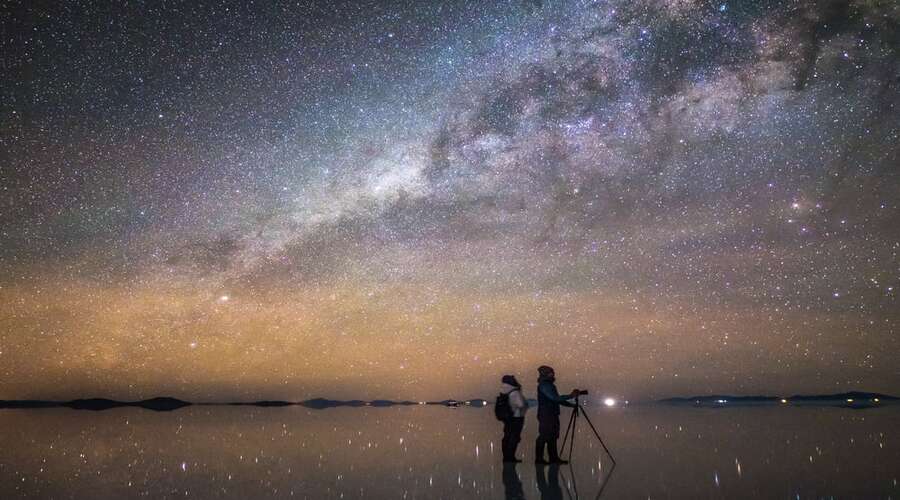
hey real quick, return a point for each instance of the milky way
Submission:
(410, 200)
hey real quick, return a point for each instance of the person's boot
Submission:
(554, 453)
(539, 453)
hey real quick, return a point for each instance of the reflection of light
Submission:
(609, 402)
(876, 400)
(849, 400)
(484, 403)
(784, 401)
(722, 401)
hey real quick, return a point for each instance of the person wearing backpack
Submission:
(510, 409)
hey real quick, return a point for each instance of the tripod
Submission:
(570, 432)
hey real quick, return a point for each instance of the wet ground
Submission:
(437, 452)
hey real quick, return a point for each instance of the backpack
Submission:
(502, 410)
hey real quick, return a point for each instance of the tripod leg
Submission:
(606, 480)
(570, 427)
(584, 413)
(574, 421)
(574, 484)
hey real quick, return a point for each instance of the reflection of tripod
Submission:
(571, 429)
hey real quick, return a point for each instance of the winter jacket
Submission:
(549, 399)
(516, 399)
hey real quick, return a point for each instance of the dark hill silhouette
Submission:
(169, 404)
(383, 403)
(95, 404)
(162, 404)
(844, 396)
(98, 404)
(321, 403)
(446, 402)
(854, 399)
(254, 403)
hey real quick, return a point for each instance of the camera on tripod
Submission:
(569, 437)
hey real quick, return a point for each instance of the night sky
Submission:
(408, 200)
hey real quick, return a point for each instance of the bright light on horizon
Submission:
(609, 402)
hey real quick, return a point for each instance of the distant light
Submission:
(224, 298)
(783, 401)
(484, 403)
(609, 402)
(849, 400)
(721, 401)
(876, 400)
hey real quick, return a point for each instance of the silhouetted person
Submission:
(549, 402)
(512, 427)
(512, 486)
(548, 485)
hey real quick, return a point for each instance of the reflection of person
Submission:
(549, 402)
(512, 427)
(512, 485)
(549, 485)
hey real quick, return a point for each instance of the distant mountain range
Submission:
(854, 399)
(157, 404)
(169, 404)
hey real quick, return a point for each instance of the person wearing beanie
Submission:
(512, 426)
(549, 401)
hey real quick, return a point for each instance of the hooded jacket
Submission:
(549, 399)
(516, 399)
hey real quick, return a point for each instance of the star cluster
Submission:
(412, 198)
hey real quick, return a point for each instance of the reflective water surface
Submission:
(437, 452)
